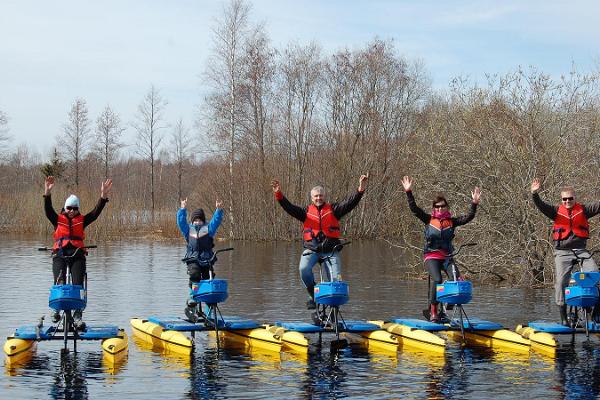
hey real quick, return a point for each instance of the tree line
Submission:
(305, 118)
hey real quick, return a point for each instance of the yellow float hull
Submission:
(18, 351)
(14, 346)
(155, 335)
(542, 342)
(417, 339)
(500, 339)
(257, 338)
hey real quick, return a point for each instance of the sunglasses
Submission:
(69, 208)
(567, 198)
(440, 205)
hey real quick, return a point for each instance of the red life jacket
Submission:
(573, 220)
(322, 220)
(69, 231)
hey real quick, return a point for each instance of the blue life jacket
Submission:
(439, 235)
(200, 244)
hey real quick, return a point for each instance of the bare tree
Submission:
(257, 97)
(182, 147)
(75, 138)
(148, 124)
(299, 93)
(224, 72)
(4, 136)
(108, 137)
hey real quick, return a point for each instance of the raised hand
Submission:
(219, 204)
(362, 182)
(535, 185)
(48, 185)
(105, 188)
(407, 183)
(184, 203)
(476, 195)
(275, 186)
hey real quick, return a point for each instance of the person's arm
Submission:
(90, 217)
(415, 209)
(49, 210)
(343, 208)
(465, 219)
(182, 224)
(295, 211)
(548, 210)
(592, 209)
(216, 219)
(95, 213)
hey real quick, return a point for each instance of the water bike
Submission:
(329, 296)
(581, 297)
(66, 299)
(452, 295)
(169, 332)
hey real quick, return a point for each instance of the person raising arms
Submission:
(440, 227)
(321, 231)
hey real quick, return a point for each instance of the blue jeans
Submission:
(331, 268)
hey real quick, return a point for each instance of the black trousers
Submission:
(198, 272)
(59, 270)
(435, 268)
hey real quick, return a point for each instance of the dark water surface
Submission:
(144, 278)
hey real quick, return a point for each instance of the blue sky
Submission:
(111, 51)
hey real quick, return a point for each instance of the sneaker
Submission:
(190, 313)
(55, 316)
(77, 322)
(310, 305)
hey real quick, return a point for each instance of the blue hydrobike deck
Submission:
(471, 324)
(34, 332)
(226, 323)
(346, 326)
(557, 329)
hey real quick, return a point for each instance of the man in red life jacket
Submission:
(321, 231)
(69, 236)
(570, 233)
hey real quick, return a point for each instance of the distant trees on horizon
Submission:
(306, 118)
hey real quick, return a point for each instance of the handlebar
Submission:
(455, 253)
(93, 246)
(578, 257)
(212, 259)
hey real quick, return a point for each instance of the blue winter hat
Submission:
(72, 201)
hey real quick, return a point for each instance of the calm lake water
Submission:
(140, 279)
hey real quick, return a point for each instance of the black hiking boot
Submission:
(310, 304)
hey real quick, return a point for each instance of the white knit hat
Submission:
(72, 201)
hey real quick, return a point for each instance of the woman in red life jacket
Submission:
(69, 235)
(570, 233)
(320, 231)
(439, 233)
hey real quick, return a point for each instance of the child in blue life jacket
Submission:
(199, 236)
